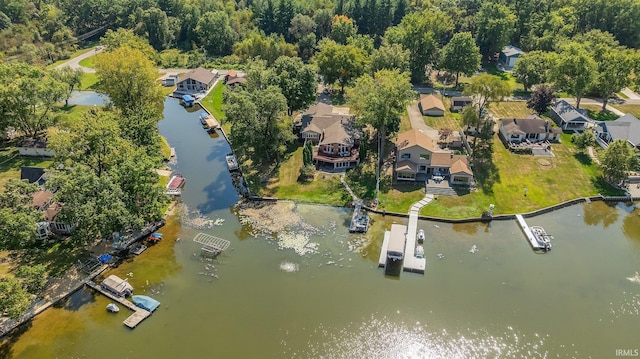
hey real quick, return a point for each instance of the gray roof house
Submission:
(625, 128)
(568, 117)
(531, 129)
(32, 174)
(509, 55)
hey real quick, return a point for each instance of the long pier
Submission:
(134, 319)
(528, 233)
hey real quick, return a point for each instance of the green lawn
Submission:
(632, 109)
(450, 120)
(505, 76)
(75, 54)
(595, 112)
(213, 101)
(283, 183)
(568, 175)
(10, 163)
(89, 62)
(400, 197)
(509, 109)
(89, 81)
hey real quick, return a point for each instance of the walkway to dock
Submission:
(411, 263)
(528, 233)
(134, 319)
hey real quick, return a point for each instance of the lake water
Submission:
(501, 301)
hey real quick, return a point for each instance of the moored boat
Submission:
(419, 251)
(232, 162)
(137, 249)
(543, 239)
(111, 307)
(174, 187)
(145, 302)
(420, 236)
(155, 237)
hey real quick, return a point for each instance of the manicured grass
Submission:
(400, 197)
(405, 123)
(284, 184)
(509, 109)
(568, 175)
(166, 149)
(450, 120)
(89, 62)
(505, 76)
(622, 95)
(632, 109)
(595, 112)
(213, 101)
(72, 112)
(89, 81)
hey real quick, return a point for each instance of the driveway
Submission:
(630, 94)
(417, 121)
(589, 101)
(74, 63)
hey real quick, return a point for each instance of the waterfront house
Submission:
(625, 128)
(117, 286)
(529, 129)
(568, 117)
(509, 56)
(418, 158)
(460, 102)
(333, 133)
(34, 147)
(431, 105)
(43, 201)
(194, 81)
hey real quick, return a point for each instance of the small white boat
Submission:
(232, 162)
(419, 251)
(420, 236)
(113, 308)
(543, 239)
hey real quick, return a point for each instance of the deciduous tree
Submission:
(460, 55)
(297, 81)
(216, 33)
(301, 26)
(389, 57)
(617, 160)
(583, 139)
(33, 278)
(614, 74)
(342, 28)
(340, 63)
(541, 98)
(113, 40)
(495, 25)
(14, 300)
(574, 70)
(487, 88)
(71, 77)
(129, 78)
(267, 48)
(532, 68)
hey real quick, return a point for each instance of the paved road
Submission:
(74, 63)
(591, 101)
(630, 94)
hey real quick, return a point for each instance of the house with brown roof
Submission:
(418, 158)
(43, 201)
(233, 78)
(198, 80)
(431, 105)
(529, 129)
(332, 131)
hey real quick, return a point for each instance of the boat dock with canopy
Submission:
(211, 245)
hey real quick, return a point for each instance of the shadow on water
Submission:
(6, 344)
(76, 300)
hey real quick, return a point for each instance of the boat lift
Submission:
(211, 245)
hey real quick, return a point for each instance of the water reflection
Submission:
(631, 226)
(600, 212)
(88, 98)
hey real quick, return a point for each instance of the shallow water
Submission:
(503, 300)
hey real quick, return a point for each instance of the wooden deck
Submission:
(134, 319)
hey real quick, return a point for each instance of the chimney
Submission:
(515, 121)
(322, 137)
(546, 125)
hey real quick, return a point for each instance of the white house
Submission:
(509, 55)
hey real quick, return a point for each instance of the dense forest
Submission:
(43, 31)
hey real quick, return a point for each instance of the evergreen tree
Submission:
(283, 16)
(383, 17)
(307, 154)
(399, 12)
(267, 20)
(340, 7)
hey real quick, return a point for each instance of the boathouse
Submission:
(117, 286)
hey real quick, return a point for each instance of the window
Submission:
(402, 175)
(423, 168)
(328, 149)
(425, 156)
(405, 156)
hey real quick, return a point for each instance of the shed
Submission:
(117, 286)
(509, 55)
(459, 102)
(431, 105)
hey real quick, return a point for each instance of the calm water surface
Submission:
(502, 301)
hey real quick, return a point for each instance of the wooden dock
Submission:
(134, 319)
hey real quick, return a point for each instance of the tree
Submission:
(399, 12)
(259, 125)
(267, 22)
(267, 48)
(583, 139)
(487, 88)
(33, 278)
(95, 142)
(301, 26)
(14, 300)
(28, 97)
(421, 33)
(113, 40)
(389, 57)
(17, 229)
(532, 68)
(342, 28)
(495, 25)
(379, 101)
(307, 154)
(216, 33)
(283, 16)
(617, 160)
(306, 47)
(323, 19)
(460, 55)
(297, 81)
(574, 70)
(340, 63)
(129, 79)
(614, 74)
(69, 76)
(155, 24)
(541, 98)
(470, 118)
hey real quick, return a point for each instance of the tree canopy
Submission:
(460, 55)
(617, 160)
(297, 81)
(340, 63)
(574, 70)
(487, 88)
